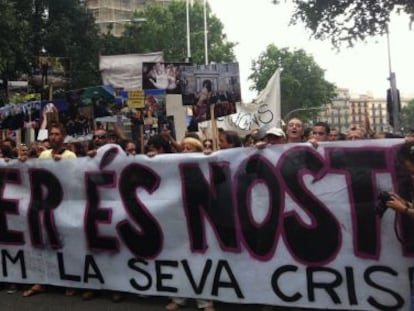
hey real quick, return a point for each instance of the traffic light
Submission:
(390, 106)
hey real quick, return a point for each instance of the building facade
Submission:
(346, 111)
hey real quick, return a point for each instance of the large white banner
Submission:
(125, 71)
(289, 225)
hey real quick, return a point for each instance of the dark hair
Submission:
(192, 134)
(306, 132)
(59, 126)
(232, 138)
(208, 140)
(11, 141)
(391, 135)
(248, 140)
(406, 152)
(158, 141)
(208, 85)
(8, 152)
(323, 124)
(79, 149)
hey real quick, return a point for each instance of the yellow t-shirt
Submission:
(47, 154)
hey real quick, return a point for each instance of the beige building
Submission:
(116, 13)
(347, 110)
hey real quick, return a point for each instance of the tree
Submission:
(350, 20)
(302, 80)
(67, 30)
(165, 30)
(15, 30)
(71, 32)
(407, 116)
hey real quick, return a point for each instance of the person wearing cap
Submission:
(275, 136)
(272, 136)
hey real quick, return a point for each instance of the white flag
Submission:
(265, 110)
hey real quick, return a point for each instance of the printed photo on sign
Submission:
(163, 76)
(50, 70)
(154, 105)
(204, 85)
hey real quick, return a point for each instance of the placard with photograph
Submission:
(162, 76)
(218, 84)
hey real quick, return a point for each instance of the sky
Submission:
(363, 69)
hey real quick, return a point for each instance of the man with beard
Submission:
(57, 151)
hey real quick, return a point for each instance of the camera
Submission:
(383, 198)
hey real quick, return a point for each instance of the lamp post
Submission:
(187, 8)
(205, 34)
(393, 91)
(286, 117)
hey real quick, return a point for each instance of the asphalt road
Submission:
(55, 300)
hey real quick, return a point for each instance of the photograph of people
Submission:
(201, 108)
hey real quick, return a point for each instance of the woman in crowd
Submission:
(406, 159)
(397, 202)
(190, 144)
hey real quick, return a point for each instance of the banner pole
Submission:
(141, 138)
(51, 91)
(214, 135)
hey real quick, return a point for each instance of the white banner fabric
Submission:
(125, 71)
(265, 110)
(289, 225)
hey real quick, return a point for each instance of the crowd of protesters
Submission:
(57, 148)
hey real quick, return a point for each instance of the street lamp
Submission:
(188, 59)
(395, 109)
(205, 33)
(187, 9)
(286, 117)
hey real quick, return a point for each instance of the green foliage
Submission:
(348, 20)
(407, 116)
(68, 31)
(165, 30)
(14, 44)
(302, 80)
(71, 32)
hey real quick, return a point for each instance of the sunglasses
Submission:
(99, 137)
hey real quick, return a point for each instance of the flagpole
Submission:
(396, 127)
(205, 33)
(187, 6)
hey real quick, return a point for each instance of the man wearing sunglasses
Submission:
(99, 139)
